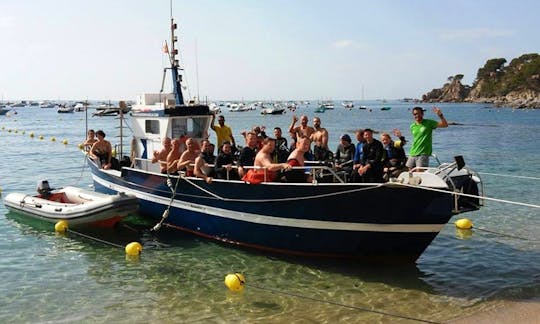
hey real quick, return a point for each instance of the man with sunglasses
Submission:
(422, 130)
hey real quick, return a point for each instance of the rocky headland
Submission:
(515, 85)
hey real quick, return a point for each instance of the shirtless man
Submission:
(320, 140)
(161, 156)
(173, 156)
(188, 157)
(296, 159)
(201, 164)
(263, 159)
(303, 130)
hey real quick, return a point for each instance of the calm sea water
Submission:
(48, 277)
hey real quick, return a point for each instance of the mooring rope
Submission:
(364, 309)
(467, 195)
(167, 210)
(95, 238)
(509, 176)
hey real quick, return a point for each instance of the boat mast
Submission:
(176, 76)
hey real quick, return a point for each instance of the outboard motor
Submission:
(466, 182)
(43, 188)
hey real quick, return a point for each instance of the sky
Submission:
(256, 50)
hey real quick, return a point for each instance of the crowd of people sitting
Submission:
(267, 159)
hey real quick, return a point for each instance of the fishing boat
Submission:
(386, 108)
(328, 217)
(74, 205)
(3, 110)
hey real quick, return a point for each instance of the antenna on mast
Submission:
(197, 70)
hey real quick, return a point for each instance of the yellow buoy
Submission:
(53, 139)
(61, 226)
(16, 131)
(23, 132)
(40, 137)
(464, 223)
(9, 130)
(81, 146)
(31, 134)
(65, 142)
(133, 248)
(235, 282)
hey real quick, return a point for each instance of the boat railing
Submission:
(316, 171)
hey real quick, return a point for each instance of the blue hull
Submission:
(327, 220)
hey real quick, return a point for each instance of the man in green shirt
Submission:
(422, 130)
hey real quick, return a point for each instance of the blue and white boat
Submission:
(394, 221)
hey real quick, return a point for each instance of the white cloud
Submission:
(474, 33)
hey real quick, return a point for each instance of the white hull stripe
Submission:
(272, 220)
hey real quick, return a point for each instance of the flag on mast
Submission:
(165, 48)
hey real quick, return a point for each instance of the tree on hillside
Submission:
(492, 67)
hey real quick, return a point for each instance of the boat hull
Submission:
(326, 220)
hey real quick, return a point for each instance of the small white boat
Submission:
(74, 205)
(65, 110)
(276, 109)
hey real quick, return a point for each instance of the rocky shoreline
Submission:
(516, 85)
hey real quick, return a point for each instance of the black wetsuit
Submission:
(373, 154)
(221, 172)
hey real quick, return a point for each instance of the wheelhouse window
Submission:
(151, 126)
(194, 127)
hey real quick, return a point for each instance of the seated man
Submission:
(161, 155)
(202, 168)
(267, 171)
(247, 154)
(174, 156)
(344, 155)
(372, 159)
(296, 159)
(394, 159)
(186, 161)
(224, 168)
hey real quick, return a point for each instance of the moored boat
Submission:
(324, 218)
(276, 109)
(65, 110)
(74, 205)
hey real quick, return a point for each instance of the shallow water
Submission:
(66, 278)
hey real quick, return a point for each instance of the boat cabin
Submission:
(156, 116)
